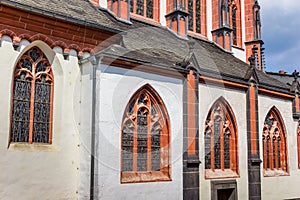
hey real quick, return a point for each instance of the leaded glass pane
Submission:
(34, 54)
(131, 5)
(41, 111)
(140, 7)
(21, 110)
(191, 14)
(26, 64)
(155, 146)
(217, 143)
(40, 67)
(234, 37)
(268, 153)
(274, 153)
(207, 140)
(127, 146)
(278, 153)
(149, 7)
(198, 16)
(142, 136)
(226, 151)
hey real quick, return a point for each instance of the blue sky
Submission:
(281, 34)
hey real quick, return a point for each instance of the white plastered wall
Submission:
(281, 187)
(237, 100)
(31, 171)
(116, 88)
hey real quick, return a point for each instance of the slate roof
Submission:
(77, 11)
(148, 43)
(159, 43)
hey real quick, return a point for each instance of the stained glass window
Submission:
(145, 137)
(274, 142)
(142, 7)
(234, 37)
(194, 20)
(32, 98)
(220, 138)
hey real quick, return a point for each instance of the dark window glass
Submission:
(32, 98)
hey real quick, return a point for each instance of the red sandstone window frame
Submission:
(134, 175)
(35, 76)
(156, 11)
(227, 126)
(203, 26)
(298, 142)
(274, 145)
(235, 4)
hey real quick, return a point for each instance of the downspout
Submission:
(95, 62)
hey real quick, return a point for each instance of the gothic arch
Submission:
(221, 138)
(145, 137)
(274, 144)
(32, 98)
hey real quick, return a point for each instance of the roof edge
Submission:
(58, 16)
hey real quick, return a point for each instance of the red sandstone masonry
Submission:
(54, 32)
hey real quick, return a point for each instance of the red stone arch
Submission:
(32, 99)
(221, 141)
(274, 144)
(145, 138)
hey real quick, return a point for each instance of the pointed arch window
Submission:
(32, 99)
(274, 144)
(220, 137)
(145, 138)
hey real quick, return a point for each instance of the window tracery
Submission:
(32, 99)
(274, 143)
(220, 139)
(145, 138)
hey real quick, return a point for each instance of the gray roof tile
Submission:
(149, 43)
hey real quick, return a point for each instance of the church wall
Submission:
(41, 171)
(281, 187)
(237, 100)
(116, 88)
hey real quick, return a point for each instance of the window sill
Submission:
(219, 173)
(144, 19)
(34, 147)
(139, 177)
(275, 172)
(197, 35)
(238, 47)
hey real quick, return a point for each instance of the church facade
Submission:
(143, 99)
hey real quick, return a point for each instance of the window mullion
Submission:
(134, 6)
(32, 101)
(222, 149)
(51, 112)
(212, 144)
(149, 149)
(134, 163)
(283, 152)
(265, 156)
(145, 8)
(271, 152)
(195, 16)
